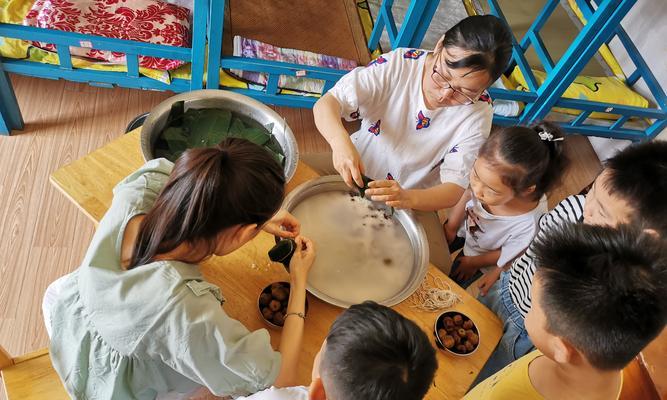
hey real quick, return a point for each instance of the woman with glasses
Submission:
(424, 116)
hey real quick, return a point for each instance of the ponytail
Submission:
(527, 157)
(208, 191)
(552, 137)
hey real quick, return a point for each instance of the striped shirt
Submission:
(523, 268)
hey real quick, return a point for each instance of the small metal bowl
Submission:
(440, 324)
(267, 290)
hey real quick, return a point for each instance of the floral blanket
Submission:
(149, 21)
(250, 48)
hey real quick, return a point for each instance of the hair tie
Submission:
(549, 137)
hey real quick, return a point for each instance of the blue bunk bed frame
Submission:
(603, 24)
(274, 69)
(10, 114)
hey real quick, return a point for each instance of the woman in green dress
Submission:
(138, 321)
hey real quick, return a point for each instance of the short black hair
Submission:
(604, 289)
(374, 353)
(638, 174)
(488, 37)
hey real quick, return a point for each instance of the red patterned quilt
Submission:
(149, 21)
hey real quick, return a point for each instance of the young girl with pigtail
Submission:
(497, 217)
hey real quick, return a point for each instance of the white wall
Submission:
(646, 24)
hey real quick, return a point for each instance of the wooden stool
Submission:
(30, 376)
(637, 383)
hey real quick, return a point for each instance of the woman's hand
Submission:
(283, 224)
(302, 260)
(347, 161)
(488, 279)
(390, 192)
(205, 394)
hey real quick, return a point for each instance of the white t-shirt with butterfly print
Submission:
(400, 138)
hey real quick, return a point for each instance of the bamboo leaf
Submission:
(176, 114)
(209, 125)
(237, 128)
(362, 190)
(174, 134)
(255, 135)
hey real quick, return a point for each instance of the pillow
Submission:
(149, 21)
(506, 108)
(603, 89)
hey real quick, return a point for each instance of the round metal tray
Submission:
(413, 229)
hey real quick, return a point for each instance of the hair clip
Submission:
(549, 137)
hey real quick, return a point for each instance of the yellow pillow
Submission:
(608, 89)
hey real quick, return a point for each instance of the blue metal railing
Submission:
(195, 54)
(274, 69)
(603, 23)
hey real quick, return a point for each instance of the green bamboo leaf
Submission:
(216, 137)
(255, 135)
(177, 146)
(280, 159)
(176, 113)
(274, 145)
(362, 190)
(237, 128)
(174, 134)
(209, 126)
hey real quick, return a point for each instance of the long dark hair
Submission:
(208, 191)
(490, 40)
(527, 156)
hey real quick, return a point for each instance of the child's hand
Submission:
(465, 270)
(450, 231)
(347, 161)
(283, 224)
(487, 280)
(390, 192)
(302, 260)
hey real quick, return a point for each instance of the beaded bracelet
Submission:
(298, 314)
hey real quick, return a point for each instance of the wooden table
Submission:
(243, 274)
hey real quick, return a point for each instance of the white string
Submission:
(434, 298)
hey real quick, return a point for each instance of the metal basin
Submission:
(416, 258)
(234, 102)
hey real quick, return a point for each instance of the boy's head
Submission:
(599, 295)
(373, 353)
(632, 189)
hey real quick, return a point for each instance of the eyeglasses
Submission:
(443, 83)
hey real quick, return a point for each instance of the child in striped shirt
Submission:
(631, 189)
